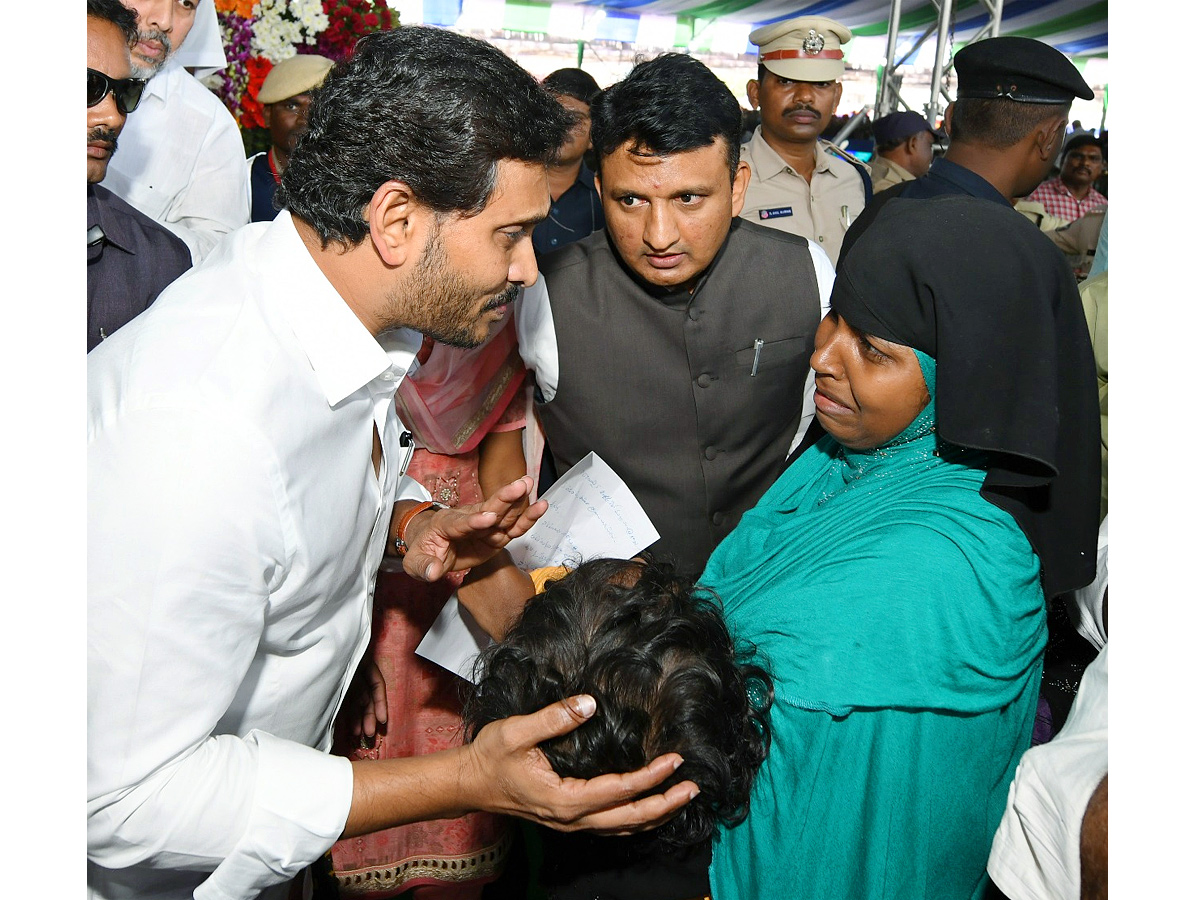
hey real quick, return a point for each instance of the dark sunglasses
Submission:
(126, 91)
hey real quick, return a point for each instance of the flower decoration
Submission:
(237, 33)
(349, 20)
(282, 25)
(242, 8)
(260, 33)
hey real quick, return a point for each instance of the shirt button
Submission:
(718, 518)
(704, 381)
(821, 238)
(389, 375)
(553, 242)
(710, 453)
(694, 314)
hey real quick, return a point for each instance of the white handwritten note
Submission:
(592, 513)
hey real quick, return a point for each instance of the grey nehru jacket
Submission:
(659, 383)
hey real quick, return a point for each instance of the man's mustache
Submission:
(105, 134)
(504, 299)
(152, 36)
(803, 107)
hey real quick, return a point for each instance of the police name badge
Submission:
(779, 212)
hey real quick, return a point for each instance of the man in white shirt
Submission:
(182, 161)
(246, 477)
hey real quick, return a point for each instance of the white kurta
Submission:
(235, 526)
(1035, 854)
(181, 161)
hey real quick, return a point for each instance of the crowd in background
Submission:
(864, 403)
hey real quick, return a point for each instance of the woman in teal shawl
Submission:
(894, 580)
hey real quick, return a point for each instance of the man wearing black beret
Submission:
(1006, 126)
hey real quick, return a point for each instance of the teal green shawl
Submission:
(882, 578)
(903, 620)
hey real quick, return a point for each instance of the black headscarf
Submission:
(978, 287)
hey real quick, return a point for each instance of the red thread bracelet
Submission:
(413, 512)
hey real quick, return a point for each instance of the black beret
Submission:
(1020, 69)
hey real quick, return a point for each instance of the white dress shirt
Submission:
(1035, 853)
(235, 526)
(181, 161)
(539, 345)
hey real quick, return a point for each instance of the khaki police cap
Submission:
(295, 75)
(808, 48)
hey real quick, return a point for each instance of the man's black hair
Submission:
(118, 13)
(1085, 140)
(428, 107)
(999, 122)
(653, 650)
(668, 104)
(574, 83)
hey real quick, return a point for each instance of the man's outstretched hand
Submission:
(449, 540)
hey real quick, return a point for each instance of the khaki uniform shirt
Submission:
(886, 174)
(779, 198)
(1036, 213)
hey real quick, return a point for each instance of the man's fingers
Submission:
(379, 700)
(607, 790)
(638, 815)
(550, 722)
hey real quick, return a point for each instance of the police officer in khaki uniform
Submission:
(800, 183)
(903, 149)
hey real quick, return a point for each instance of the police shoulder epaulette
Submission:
(837, 151)
(863, 170)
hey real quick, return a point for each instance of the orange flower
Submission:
(243, 8)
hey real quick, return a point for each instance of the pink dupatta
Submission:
(457, 396)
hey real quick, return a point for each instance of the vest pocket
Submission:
(774, 353)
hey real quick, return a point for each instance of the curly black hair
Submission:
(654, 651)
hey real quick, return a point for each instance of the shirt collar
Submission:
(965, 180)
(585, 177)
(100, 203)
(160, 85)
(767, 163)
(345, 356)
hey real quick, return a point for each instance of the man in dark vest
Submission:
(675, 343)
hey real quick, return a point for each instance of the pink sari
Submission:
(455, 399)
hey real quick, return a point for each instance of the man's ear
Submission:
(1049, 136)
(911, 145)
(398, 222)
(946, 116)
(752, 92)
(741, 180)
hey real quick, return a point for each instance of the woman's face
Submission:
(868, 389)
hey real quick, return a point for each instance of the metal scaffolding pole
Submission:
(945, 11)
(889, 84)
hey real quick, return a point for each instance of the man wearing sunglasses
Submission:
(131, 258)
(183, 162)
